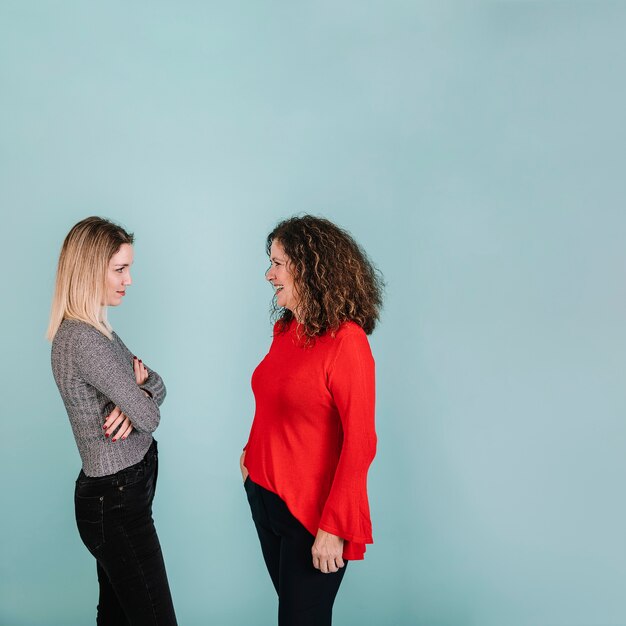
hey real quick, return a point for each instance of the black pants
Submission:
(114, 518)
(305, 595)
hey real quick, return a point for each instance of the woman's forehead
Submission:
(124, 256)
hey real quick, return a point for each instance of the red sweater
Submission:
(313, 439)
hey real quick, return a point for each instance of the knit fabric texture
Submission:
(95, 374)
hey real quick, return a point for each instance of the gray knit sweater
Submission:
(94, 374)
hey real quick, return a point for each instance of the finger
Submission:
(139, 372)
(111, 417)
(116, 422)
(339, 561)
(124, 430)
(127, 431)
(120, 429)
(316, 562)
(144, 373)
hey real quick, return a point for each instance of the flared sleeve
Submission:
(351, 381)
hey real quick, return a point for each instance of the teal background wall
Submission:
(476, 150)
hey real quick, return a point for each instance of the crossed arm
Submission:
(117, 424)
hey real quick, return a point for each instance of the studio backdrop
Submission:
(475, 150)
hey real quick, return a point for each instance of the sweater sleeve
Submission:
(99, 366)
(154, 385)
(351, 381)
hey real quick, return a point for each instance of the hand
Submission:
(116, 420)
(141, 372)
(327, 552)
(244, 471)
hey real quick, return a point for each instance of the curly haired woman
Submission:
(313, 439)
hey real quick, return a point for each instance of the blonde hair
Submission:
(81, 274)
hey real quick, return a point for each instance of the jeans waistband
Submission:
(149, 457)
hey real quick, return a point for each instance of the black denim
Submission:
(114, 519)
(305, 595)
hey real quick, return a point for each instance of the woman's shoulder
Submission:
(352, 337)
(349, 347)
(348, 336)
(350, 329)
(72, 331)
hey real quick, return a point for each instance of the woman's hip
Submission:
(110, 505)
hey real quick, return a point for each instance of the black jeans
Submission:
(114, 519)
(305, 595)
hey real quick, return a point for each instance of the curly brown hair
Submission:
(334, 279)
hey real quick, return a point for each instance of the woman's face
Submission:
(281, 278)
(118, 275)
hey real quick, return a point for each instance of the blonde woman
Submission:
(112, 400)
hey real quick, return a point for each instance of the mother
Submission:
(313, 439)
